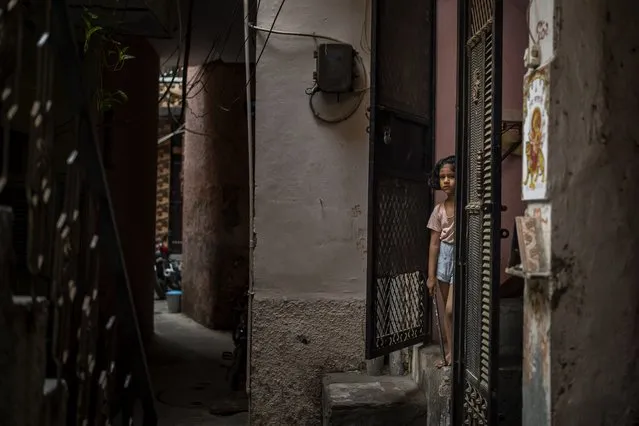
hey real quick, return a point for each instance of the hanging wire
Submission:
(177, 63)
(197, 78)
(359, 95)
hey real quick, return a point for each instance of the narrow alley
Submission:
(188, 368)
(319, 212)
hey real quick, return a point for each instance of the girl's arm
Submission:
(433, 254)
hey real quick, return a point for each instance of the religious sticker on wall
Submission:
(535, 135)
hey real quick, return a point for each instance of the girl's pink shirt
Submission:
(440, 222)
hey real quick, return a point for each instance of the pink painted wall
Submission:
(446, 78)
(514, 44)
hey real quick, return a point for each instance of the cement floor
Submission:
(188, 371)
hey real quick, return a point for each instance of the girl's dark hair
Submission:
(434, 176)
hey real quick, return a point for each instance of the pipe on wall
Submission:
(251, 169)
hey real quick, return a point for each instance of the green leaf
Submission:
(89, 32)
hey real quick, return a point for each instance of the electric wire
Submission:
(197, 78)
(296, 34)
(191, 84)
(187, 52)
(257, 61)
(245, 44)
(177, 63)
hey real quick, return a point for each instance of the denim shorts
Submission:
(446, 263)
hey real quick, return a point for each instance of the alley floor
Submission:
(188, 369)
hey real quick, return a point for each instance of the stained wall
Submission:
(310, 220)
(593, 170)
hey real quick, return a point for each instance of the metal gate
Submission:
(478, 206)
(401, 149)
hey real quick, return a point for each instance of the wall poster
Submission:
(535, 135)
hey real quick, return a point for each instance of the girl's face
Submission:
(447, 179)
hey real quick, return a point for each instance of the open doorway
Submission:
(507, 163)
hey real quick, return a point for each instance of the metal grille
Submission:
(479, 225)
(478, 284)
(473, 240)
(481, 12)
(68, 227)
(485, 161)
(399, 302)
(475, 387)
(401, 150)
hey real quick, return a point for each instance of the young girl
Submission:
(441, 254)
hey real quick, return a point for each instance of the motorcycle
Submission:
(168, 272)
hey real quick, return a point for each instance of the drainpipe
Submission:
(251, 169)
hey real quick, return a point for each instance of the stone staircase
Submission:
(424, 396)
(351, 399)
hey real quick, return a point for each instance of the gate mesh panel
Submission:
(479, 248)
(486, 253)
(480, 12)
(402, 238)
(474, 238)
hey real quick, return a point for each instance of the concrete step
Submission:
(351, 399)
(435, 383)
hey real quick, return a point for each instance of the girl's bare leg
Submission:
(449, 323)
(442, 302)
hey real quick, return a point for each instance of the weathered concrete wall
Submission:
(131, 171)
(311, 203)
(593, 172)
(295, 342)
(215, 213)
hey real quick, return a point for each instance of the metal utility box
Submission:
(334, 68)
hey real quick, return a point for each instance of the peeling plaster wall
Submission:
(310, 220)
(593, 174)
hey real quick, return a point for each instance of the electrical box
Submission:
(334, 67)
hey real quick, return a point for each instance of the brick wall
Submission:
(163, 186)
